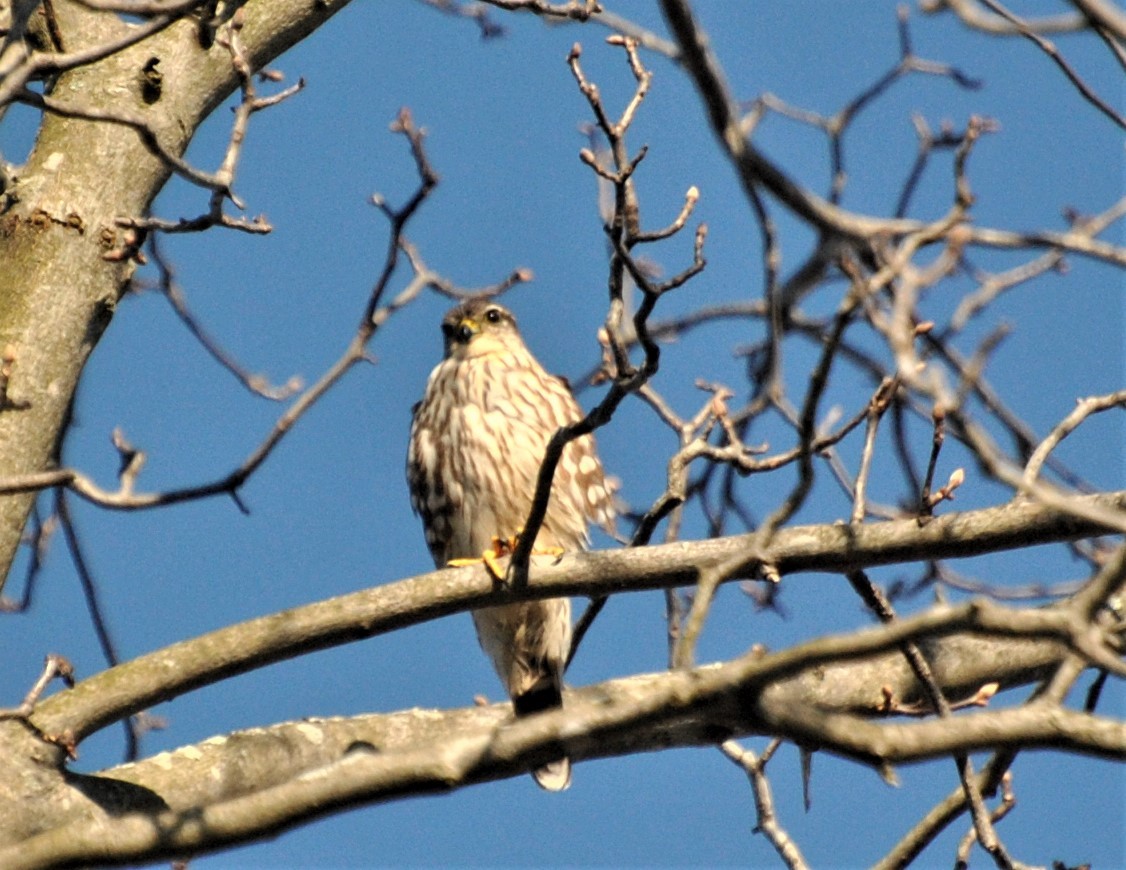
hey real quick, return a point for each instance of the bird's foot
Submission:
(499, 549)
(490, 557)
(554, 552)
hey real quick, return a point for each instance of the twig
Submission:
(947, 576)
(707, 581)
(876, 408)
(38, 539)
(374, 316)
(1094, 692)
(1084, 408)
(221, 190)
(836, 126)
(645, 38)
(992, 286)
(755, 169)
(445, 287)
(928, 143)
(624, 231)
(973, 16)
(683, 632)
(1058, 59)
(95, 609)
(693, 435)
(818, 381)
(779, 301)
(879, 605)
(24, 65)
(55, 666)
(946, 811)
(576, 10)
(476, 12)
(1074, 241)
(755, 768)
(970, 371)
(973, 381)
(938, 416)
(257, 384)
(1008, 801)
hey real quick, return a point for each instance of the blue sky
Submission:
(329, 510)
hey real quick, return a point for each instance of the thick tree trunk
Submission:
(58, 218)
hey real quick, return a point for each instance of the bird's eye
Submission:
(493, 315)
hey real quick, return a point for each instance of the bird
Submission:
(477, 441)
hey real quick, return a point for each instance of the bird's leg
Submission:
(536, 551)
(500, 548)
(554, 552)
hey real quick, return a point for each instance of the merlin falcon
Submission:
(476, 445)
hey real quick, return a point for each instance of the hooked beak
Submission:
(466, 328)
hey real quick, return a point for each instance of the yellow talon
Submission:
(501, 547)
(536, 551)
(489, 557)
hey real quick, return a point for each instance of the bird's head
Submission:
(479, 327)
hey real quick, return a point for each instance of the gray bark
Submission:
(57, 219)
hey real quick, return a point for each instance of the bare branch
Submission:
(624, 232)
(755, 768)
(828, 548)
(19, 66)
(1084, 408)
(54, 667)
(576, 10)
(256, 383)
(1106, 17)
(1050, 49)
(125, 119)
(374, 316)
(479, 744)
(974, 16)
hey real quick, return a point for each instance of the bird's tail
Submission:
(555, 776)
(545, 695)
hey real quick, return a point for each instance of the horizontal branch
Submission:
(1031, 727)
(150, 679)
(316, 767)
(1072, 241)
(220, 767)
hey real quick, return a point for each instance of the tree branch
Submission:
(198, 798)
(150, 679)
(58, 291)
